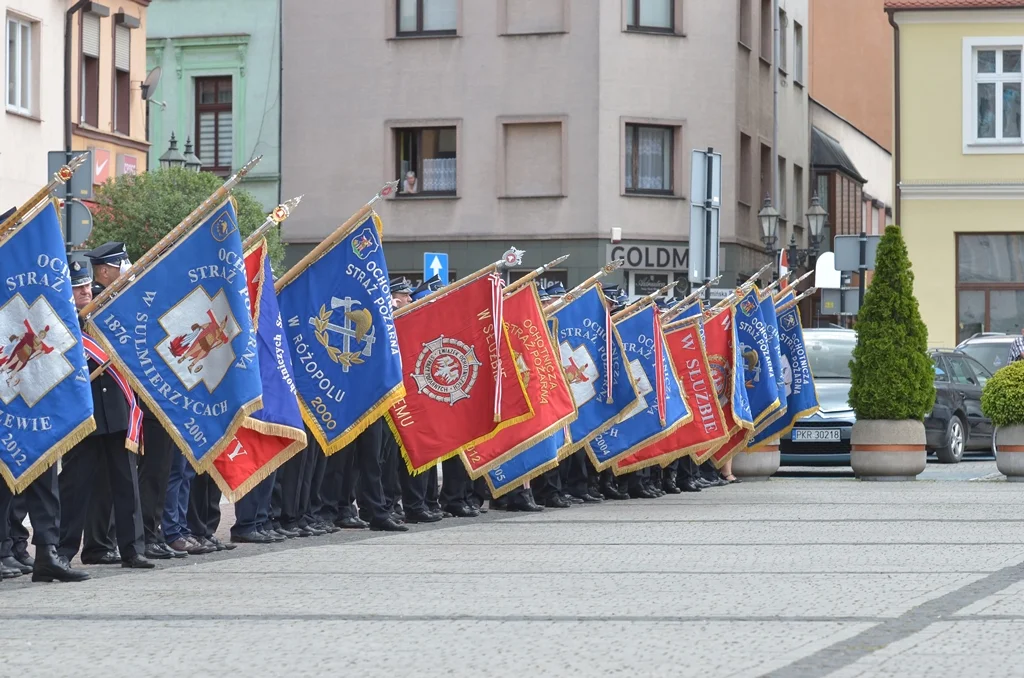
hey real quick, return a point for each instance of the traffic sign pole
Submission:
(707, 224)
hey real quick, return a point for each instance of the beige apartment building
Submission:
(543, 124)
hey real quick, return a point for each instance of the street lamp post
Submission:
(192, 161)
(173, 157)
(769, 217)
(816, 218)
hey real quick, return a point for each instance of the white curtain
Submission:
(654, 159)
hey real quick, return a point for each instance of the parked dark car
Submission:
(954, 426)
(991, 349)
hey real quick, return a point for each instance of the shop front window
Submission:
(990, 283)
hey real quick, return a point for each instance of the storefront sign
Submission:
(648, 283)
(127, 164)
(650, 257)
(101, 166)
(545, 279)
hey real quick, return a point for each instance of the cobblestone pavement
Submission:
(794, 577)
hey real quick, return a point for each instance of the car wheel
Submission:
(956, 438)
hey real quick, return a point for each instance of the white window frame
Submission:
(22, 70)
(972, 145)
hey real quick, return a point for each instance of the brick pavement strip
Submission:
(795, 577)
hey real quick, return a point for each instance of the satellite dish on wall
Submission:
(149, 84)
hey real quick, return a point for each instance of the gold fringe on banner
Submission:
(378, 410)
(299, 444)
(521, 447)
(44, 462)
(501, 426)
(497, 492)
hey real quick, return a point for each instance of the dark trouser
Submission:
(318, 471)
(414, 489)
(203, 506)
(574, 473)
(433, 490)
(252, 512)
(687, 468)
(42, 498)
(391, 461)
(455, 483)
(637, 480)
(154, 471)
(708, 471)
(100, 535)
(100, 455)
(16, 540)
(369, 488)
(331, 500)
(547, 485)
(288, 490)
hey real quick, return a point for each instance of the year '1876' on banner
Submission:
(183, 334)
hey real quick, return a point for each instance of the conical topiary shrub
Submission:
(892, 374)
(1002, 401)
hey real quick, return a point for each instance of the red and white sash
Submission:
(97, 354)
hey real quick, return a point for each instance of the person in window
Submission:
(1017, 349)
(410, 185)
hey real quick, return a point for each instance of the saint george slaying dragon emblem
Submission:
(32, 354)
(446, 370)
(199, 330)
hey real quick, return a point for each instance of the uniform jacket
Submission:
(110, 409)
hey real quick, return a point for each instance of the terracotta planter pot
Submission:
(760, 464)
(1010, 452)
(888, 450)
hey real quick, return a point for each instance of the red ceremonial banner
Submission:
(450, 356)
(257, 450)
(539, 367)
(707, 431)
(719, 341)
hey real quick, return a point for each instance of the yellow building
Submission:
(108, 53)
(960, 161)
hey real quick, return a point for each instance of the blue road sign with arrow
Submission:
(435, 263)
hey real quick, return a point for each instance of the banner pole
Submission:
(61, 176)
(157, 250)
(583, 287)
(512, 257)
(644, 301)
(535, 273)
(276, 216)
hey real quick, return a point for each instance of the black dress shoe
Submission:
(175, 553)
(51, 567)
(108, 558)
(12, 563)
(589, 498)
(351, 523)
(220, 545)
(154, 552)
(273, 536)
(688, 485)
(326, 527)
(462, 511)
(571, 499)
(557, 501)
(422, 517)
(253, 537)
(7, 572)
(525, 504)
(22, 556)
(388, 526)
(284, 532)
(670, 487)
(137, 562)
(610, 492)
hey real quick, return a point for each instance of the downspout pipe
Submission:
(897, 176)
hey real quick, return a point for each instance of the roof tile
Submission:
(953, 4)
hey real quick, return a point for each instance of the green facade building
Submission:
(220, 86)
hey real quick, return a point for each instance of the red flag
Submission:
(450, 358)
(259, 447)
(707, 431)
(719, 340)
(539, 366)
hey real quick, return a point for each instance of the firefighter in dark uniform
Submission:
(109, 261)
(102, 453)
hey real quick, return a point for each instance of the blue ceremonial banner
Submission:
(642, 339)
(772, 325)
(45, 397)
(582, 332)
(690, 311)
(741, 410)
(801, 397)
(337, 310)
(182, 334)
(527, 465)
(754, 359)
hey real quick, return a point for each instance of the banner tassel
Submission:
(497, 310)
(609, 328)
